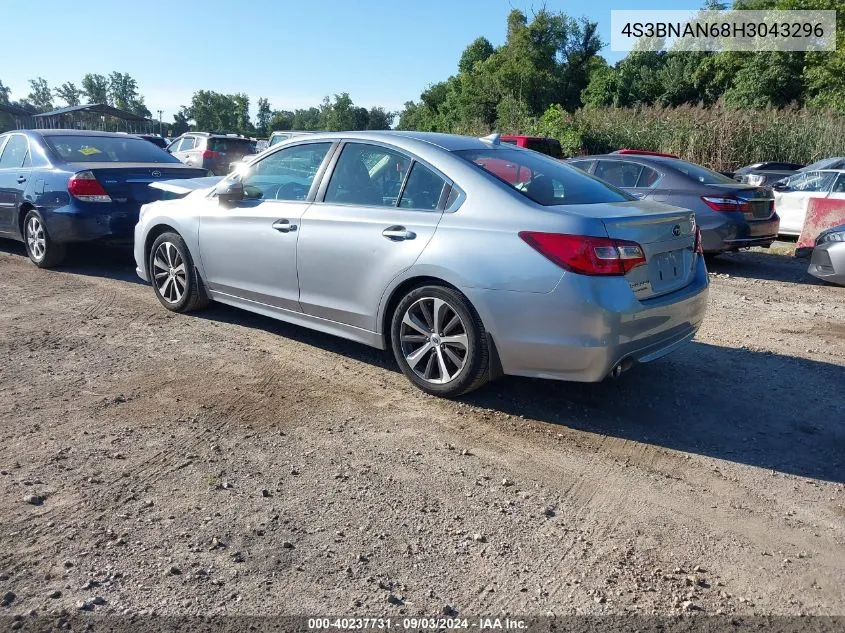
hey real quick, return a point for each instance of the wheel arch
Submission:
(151, 237)
(25, 208)
(406, 286)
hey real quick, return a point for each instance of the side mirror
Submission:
(230, 191)
(780, 186)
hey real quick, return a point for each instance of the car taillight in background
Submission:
(586, 254)
(210, 154)
(84, 186)
(726, 204)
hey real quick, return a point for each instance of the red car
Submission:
(549, 146)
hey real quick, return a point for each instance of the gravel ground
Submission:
(225, 463)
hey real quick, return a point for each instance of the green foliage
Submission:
(95, 88)
(545, 60)
(719, 137)
(69, 93)
(263, 117)
(40, 96)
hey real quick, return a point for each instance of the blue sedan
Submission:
(64, 186)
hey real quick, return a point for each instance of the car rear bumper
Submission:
(733, 231)
(828, 262)
(588, 325)
(72, 224)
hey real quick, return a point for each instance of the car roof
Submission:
(60, 132)
(448, 142)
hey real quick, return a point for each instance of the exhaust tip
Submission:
(623, 365)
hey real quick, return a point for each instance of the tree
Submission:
(476, 52)
(40, 96)
(4, 93)
(181, 121)
(379, 119)
(69, 93)
(95, 88)
(263, 117)
(280, 120)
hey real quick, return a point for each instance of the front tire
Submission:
(439, 341)
(174, 277)
(42, 250)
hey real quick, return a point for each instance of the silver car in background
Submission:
(466, 257)
(828, 259)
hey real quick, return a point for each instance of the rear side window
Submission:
(107, 149)
(422, 190)
(15, 152)
(542, 179)
(367, 175)
(619, 173)
(648, 177)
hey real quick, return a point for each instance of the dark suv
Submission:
(211, 151)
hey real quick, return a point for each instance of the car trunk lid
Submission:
(128, 183)
(665, 233)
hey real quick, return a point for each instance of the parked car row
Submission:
(410, 242)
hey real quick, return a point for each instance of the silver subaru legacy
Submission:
(466, 257)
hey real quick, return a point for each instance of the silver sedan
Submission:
(828, 259)
(466, 257)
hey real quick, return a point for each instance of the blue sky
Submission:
(292, 52)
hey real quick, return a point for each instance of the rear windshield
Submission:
(699, 173)
(544, 180)
(107, 149)
(242, 145)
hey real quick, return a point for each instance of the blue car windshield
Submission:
(107, 149)
(544, 180)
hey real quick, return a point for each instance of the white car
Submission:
(793, 195)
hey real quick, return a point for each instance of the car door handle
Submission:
(398, 233)
(21, 180)
(284, 226)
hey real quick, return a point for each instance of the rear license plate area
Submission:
(667, 267)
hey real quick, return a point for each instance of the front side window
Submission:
(583, 165)
(14, 153)
(542, 179)
(839, 185)
(107, 149)
(287, 174)
(367, 175)
(278, 138)
(423, 189)
(189, 142)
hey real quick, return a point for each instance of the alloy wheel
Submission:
(434, 340)
(169, 272)
(36, 239)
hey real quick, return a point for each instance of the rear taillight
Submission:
(727, 204)
(84, 186)
(698, 247)
(210, 154)
(586, 254)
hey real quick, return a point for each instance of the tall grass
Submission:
(718, 137)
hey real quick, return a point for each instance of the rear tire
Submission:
(42, 250)
(174, 277)
(439, 341)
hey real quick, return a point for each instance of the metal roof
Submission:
(15, 110)
(95, 108)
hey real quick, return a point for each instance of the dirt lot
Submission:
(227, 463)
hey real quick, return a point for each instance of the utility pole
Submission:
(159, 122)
